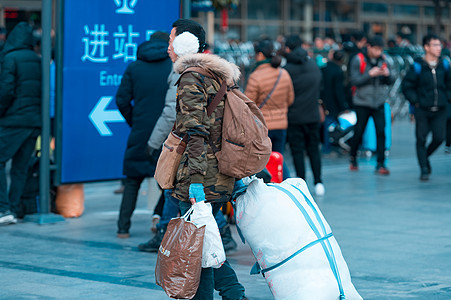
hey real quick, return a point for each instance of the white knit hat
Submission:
(185, 43)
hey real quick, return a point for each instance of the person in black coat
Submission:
(20, 116)
(333, 94)
(303, 114)
(427, 86)
(140, 99)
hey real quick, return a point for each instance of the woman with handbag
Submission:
(197, 177)
(271, 88)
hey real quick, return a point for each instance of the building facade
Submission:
(334, 18)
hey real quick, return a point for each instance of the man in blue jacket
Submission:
(20, 116)
(427, 86)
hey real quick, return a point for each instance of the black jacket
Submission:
(140, 99)
(426, 90)
(20, 80)
(306, 77)
(333, 91)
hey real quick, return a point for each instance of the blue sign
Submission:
(100, 39)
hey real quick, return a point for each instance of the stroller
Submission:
(340, 133)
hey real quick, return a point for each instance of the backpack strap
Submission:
(417, 67)
(446, 64)
(362, 62)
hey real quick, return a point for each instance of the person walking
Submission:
(271, 88)
(427, 86)
(333, 95)
(198, 178)
(303, 115)
(371, 75)
(140, 99)
(20, 116)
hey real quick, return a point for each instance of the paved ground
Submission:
(394, 233)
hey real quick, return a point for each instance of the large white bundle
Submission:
(278, 220)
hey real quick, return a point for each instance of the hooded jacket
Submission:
(306, 77)
(140, 99)
(194, 92)
(370, 91)
(425, 89)
(260, 84)
(20, 80)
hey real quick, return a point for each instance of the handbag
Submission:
(213, 254)
(169, 160)
(179, 260)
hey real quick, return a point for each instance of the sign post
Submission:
(99, 40)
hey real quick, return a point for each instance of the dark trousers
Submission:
(448, 132)
(305, 138)
(223, 279)
(278, 139)
(128, 204)
(428, 121)
(363, 113)
(17, 144)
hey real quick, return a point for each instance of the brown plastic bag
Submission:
(179, 260)
(169, 161)
(70, 200)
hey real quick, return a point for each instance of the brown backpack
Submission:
(245, 145)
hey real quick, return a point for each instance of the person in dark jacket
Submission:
(20, 116)
(333, 94)
(303, 114)
(427, 86)
(371, 76)
(140, 99)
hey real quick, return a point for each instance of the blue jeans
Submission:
(170, 209)
(223, 279)
(278, 139)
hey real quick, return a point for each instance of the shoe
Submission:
(241, 298)
(123, 234)
(155, 221)
(382, 170)
(353, 164)
(7, 218)
(119, 190)
(154, 243)
(319, 189)
(227, 241)
(447, 149)
(424, 175)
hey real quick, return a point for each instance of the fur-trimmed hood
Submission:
(213, 63)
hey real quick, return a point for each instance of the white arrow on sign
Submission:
(99, 116)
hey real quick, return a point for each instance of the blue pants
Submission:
(223, 279)
(278, 139)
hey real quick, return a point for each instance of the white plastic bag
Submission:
(213, 254)
(281, 222)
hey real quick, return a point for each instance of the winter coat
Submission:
(420, 89)
(370, 91)
(260, 84)
(333, 91)
(140, 99)
(194, 92)
(166, 120)
(306, 77)
(20, 80)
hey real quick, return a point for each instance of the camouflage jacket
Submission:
(194, 93)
